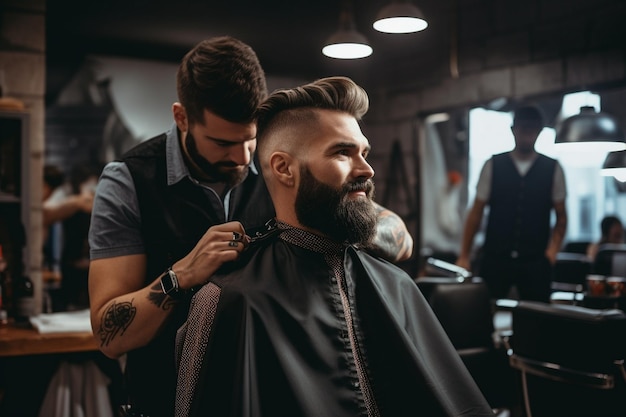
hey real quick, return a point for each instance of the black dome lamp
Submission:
(590, 131)
(615, 165)
(347, 42)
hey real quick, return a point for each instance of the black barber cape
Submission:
(287, 333)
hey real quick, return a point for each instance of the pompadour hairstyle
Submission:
(331, 93)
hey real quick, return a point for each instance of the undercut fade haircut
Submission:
(222, 75)
(331, 93)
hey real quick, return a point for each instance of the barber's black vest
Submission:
(173, 219)
(520, 208)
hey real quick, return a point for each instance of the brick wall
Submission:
(22, 63)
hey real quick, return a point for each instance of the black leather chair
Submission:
(610, 260)
(464, 309)
(579, 247)
(570, 272)
(570, 360)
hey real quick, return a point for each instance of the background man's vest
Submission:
(520, 208)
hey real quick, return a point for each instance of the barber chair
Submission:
(464, 310)
(610, 260)
(570, 272)
(579, 247)
(570, 360)
(439, 268)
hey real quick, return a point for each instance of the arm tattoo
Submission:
(116, 319)
(159, 299)
(390, 241)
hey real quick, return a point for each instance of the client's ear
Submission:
(284, 168)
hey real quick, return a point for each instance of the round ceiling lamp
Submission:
(590, 131)
(615, 165)
(400, 17)
(347, 43)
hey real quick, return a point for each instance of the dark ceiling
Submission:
(288, 34)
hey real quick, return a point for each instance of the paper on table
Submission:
(70, 321)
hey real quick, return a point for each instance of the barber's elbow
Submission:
(108, 350)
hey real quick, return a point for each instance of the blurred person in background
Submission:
(59, 201)
(612, 231)
(53, 180)
(75, 243)
(68, 201)
(521, 188)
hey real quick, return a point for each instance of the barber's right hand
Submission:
(221, 243)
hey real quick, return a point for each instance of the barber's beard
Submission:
(331, 211)
(218, 172)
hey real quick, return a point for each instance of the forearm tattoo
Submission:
(116, 320)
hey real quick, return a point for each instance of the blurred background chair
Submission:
(464, 309)
(435, 267)
(579, 247)
(610, 260)
(570, 360)
(570, 272)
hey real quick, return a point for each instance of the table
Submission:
(18, 341)
(23, 350)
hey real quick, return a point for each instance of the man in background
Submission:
(521, 188)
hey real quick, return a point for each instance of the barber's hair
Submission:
(222, 75)
(331, 93)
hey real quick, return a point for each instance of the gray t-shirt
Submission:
(116, 220)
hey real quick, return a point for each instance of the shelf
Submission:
(8, 198)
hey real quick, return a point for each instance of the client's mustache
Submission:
(367, 186)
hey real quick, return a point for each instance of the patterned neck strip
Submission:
(308, 240)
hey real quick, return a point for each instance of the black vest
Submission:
(520, 208)
(173, 219)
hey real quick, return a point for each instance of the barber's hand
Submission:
(220, 244)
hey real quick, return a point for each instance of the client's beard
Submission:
(330, 211)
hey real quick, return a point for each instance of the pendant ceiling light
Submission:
(590, 131)
(400, 16)
(615, 165)
(347, 42)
